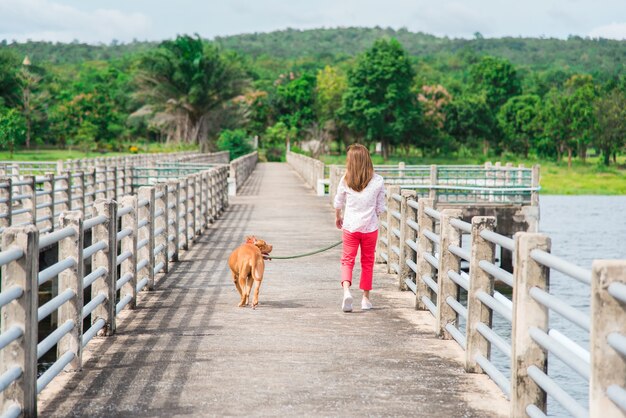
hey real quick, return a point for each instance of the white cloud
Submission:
(610, 31)
(53, 21)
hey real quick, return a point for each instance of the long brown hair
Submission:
(359, 167)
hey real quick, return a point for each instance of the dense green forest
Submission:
(321, 89)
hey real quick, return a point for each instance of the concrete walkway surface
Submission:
(187, 350)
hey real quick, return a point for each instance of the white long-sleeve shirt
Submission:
(361, 208)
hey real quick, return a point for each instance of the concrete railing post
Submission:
(197, 213)
(203, 200)
(21, 313)
(29, 203)
(90, 188)
(99, 184)
(79, 182)
(48, 212)
(207, 197)
(108, 180)
(107, 258)
(143, 234)
(129, 243)
(409, 215)
(6, 202)
(173, 217)
(64, 185)
(607, 321)
(432, 193)
(424, 245)
(149, 193)
(74, 194)
(191, 209)
(528, 313)
(72, 278)
(182, 213)
(479, 280)
(393, 241)
(128, 179)
(116, 194)
(447, 262)
(213, 194)
(224, 190)
(534, 197)
(160, 225)
(382, 245)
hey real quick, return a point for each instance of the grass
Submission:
(588, 178)
(64, 154)
(53, 155)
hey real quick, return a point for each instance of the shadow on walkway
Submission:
(188, 351)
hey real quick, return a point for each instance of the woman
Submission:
(361, 195)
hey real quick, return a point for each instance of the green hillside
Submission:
(593, 56)
(575, 54)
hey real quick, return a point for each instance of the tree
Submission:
(275, 140)
(470, 121)
(578, 108)
(236, 141)
(85, 137)
(610, 129)
(497, 78)
(185, 82)
(32, 97)
(295, 101)
(553, 122)
(379, 103)
(519, 120)
(9, 84)
(331, 85)
(258, 111)
(12, 129)
(434, 100)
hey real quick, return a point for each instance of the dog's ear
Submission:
(250, 239)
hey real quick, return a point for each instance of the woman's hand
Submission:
(338, 219)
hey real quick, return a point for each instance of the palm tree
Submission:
(187, 84)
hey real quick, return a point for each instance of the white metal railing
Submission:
(488, 184)
(137, 237)
(454, 278)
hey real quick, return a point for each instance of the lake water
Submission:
(582, 229)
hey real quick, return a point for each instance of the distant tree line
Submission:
(435, 97)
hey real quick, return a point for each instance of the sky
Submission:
(96, 21)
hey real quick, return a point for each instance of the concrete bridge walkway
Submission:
(187, 350)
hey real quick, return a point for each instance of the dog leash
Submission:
(321, 250)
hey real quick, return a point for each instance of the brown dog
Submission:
(247, 265)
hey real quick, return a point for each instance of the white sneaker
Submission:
(346, 305)
(366, 305)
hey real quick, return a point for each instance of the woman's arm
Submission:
(339, 203)
(338, 219)
(381, 202)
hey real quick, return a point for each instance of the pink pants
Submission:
(351, 243)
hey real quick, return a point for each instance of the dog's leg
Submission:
(257, 275)
(249, 283)
(236, 281)
(242, 285)
(255, 300)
